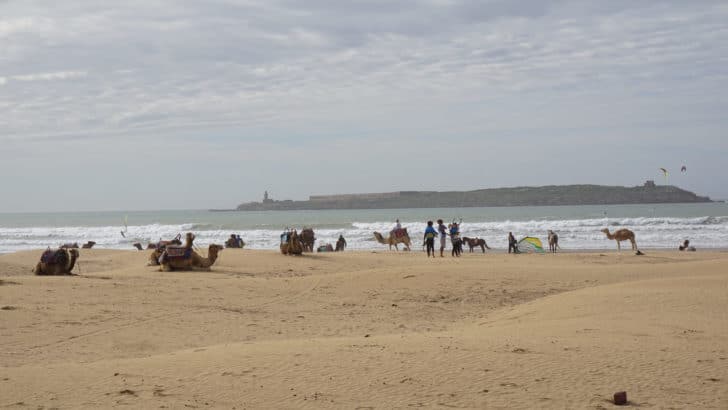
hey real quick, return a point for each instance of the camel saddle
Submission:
(178, 252)
(54, 257)
(399, 233)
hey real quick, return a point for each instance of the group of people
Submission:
(452, 230)
(235, 241)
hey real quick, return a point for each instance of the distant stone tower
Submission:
(266, 199)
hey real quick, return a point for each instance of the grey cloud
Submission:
(326, 70)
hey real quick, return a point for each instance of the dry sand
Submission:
(367, 330)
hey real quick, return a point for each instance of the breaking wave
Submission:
(659, 232)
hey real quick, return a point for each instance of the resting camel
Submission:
(307, 239)
(156, 255)
(621, 235)
(88, 245)
(57, 262)
(291, 243)
(553, 241)
(395, 240)
(188, 259)
(474, 242)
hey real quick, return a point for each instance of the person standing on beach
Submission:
(442, 230)
(512, 243)
(457, 243)
(430, 234)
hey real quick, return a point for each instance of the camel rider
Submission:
(397, 227)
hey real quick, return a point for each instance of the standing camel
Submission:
(291, 244)
(307, 239)
(393, 239)
(621, 235)
(553, 241)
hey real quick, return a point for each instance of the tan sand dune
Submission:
(368, 330)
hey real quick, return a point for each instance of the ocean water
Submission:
(655, 226)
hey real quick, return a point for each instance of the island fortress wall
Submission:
(350, 197)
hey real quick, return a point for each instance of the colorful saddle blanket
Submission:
(178, 252)
(399, 233)
(57, 256)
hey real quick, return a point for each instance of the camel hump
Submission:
(181, 252)
(58, 256)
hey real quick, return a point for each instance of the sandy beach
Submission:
(367, 330)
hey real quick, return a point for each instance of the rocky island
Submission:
(648, 193)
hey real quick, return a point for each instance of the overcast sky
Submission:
(172, 104)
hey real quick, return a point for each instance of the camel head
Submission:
(73, 253)
(72, 258)
(189, 237)
(605, 230)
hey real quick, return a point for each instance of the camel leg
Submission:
(619, 246)
(483, 248)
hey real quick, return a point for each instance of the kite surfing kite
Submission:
(530, 245)
(664, 172)
(126, 226)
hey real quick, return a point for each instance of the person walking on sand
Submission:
(430, 234)
(442, 230)
(512, 243)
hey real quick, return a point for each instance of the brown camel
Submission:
(188, 260)
(475, 242)
(621, 235)
(553, 241)
(403, 238)
(88, 245)
(307, 239)
(156, 255)
(56, 262)
(291, 244)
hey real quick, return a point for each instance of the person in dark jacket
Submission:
(512, 243)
